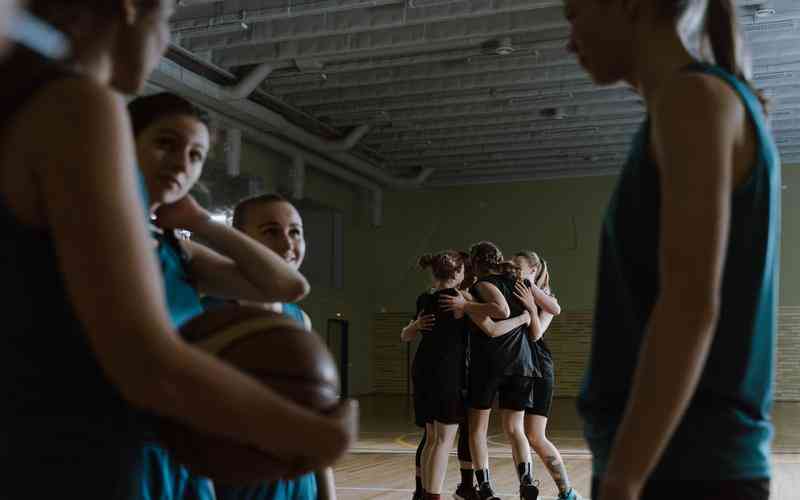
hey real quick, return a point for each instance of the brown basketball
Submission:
(275, 350)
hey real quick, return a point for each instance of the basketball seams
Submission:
(231, 334)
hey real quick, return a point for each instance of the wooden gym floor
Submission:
(381, 465)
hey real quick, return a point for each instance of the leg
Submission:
(514, 428)
(430, 434)
(466, 488)
(465, 456)
(437, 463)
(535, 426)
(418, 463)
(479, 429)
(515, 396)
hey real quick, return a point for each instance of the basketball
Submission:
(275, 350)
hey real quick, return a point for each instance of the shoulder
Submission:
(697, 95)
(79, 96)
(74, 113)
(487, 285)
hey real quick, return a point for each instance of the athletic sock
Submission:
(467, 476)
(524, 473)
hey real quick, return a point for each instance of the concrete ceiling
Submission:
(479, 90)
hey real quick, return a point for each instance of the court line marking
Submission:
(501, 454)
(397, 490)
(401, 441)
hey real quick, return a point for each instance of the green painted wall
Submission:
(560, 219)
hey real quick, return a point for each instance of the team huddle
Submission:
(481, 325)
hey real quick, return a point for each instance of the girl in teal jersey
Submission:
(172, 143)
(677, 396)
(274, 222)
(89, 309)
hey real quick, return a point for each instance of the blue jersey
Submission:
(302, 488)
(726, 430)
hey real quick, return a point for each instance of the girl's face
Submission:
(279, 227)
(171, 154)
(140, 43)
(528, 271)
(601, 36)
(460, 275)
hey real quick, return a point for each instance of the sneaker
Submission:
(464, 492)
(485, 492)
(570, 495)
(528, 492)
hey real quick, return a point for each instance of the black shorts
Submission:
(513, 393)
(542, 397)
(748, 489)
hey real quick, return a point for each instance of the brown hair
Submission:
(486, 257)
(722, 34)
(63, 13)
(469, 272)
(244, 206)
(146, 110)
(443, 265)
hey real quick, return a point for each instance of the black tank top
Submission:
(543, 354)
(447, 336)
(62, 419)
(509, 354)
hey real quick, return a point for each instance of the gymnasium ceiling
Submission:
(437, 92)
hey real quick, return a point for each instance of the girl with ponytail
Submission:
(677, 396)
(501, 364)
(438, 376)
(533, 290)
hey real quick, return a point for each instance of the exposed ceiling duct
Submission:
(231, 101)
(480, 90)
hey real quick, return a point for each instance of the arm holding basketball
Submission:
(242, 269)
(696, 160)
(113, 280)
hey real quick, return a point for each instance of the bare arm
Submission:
(546, 301)
(87, 182)
(416, 326)
(241, 268)
(495, 306)
(545, 319)
(494, 328)
(696, 159)
(526, 296)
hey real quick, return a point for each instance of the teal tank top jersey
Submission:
(726, 431)
(301, 488)
(162, 478)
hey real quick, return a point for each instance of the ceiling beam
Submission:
(441, 21)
